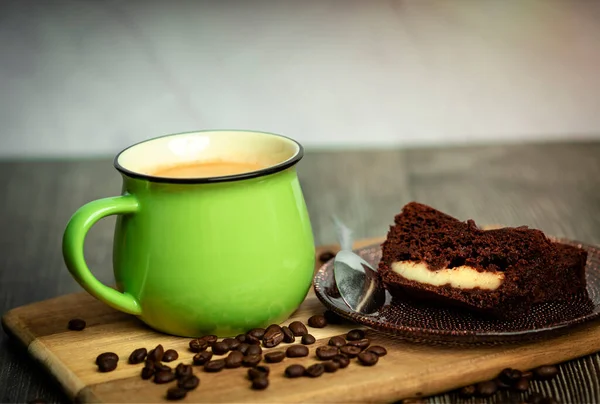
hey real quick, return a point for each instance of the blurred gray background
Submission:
(86, 78)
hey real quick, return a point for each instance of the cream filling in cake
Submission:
(462, 277)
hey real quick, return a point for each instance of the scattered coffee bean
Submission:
(260, 383)
(107, 361)
(252, 340)
(326, 256)
(273, 336)
(308, 339)
(220, 348)
(545, 372)
(331, 366)
(138, 356)
(170, 355)
(189, 383)
(350, 351)
(214, 366)
(509, 375)
(288, 335)
(243, 347)
(521, 385)
(314, 370)
(234, 360)
(232, 343)
(183, 371)
(368, 358)
(258, 371)
(241, 338)
(332, 318)
(253, 350)
(528, 374)
(377, 350)
(327, 352)
(467, 391)
(502, 385)
(317, 321)
(150, 364)
(275, 357)
(535, 398)
(157, 353)
(162, 367)
(361, 343)
(202, 358)
(337, 341)
(342, 359)
(176, 393)
(298, 328)
(251, 360)
(198, 345)
(163, 376)
(210, 339)
(355, 335)
(257, 333)
(147, 372)
(293, 371)
(486, 389)
(76, 324)
(296, 351)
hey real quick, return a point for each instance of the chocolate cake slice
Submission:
(431, 255)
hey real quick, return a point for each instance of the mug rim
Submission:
(222, 178)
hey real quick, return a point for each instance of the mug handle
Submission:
(73, 240)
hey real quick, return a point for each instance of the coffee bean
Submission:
(502, 385)
(76, 324)
(331, 366)
(210, 339)
(257, 333)
(253, 350)
(233, 343)
(350, 351)
(138, 356)
(528, 374)
(107, 361)
(150, 364)
(545, 372)
(220, 348)
(234, 360)
(241, 338)
(161, 367)
(198, 345)
(258, 371)
(535, 398)
(467, 391)
(147, 372)
(294, 371)
(377, 350)
(288, 335)
(170, 355)
(183, 371)
(355, 335)
(189, 383)
(317, 321)
(275, 357)
(486, 389)
(509, 375)
(252, 340)
(327, 352)
(337, 341)
(332, 318)
(243, 347)
(368, 358)
(176, 393)
(296, 351)
(521, 385)
(308, 339)
(251, 360)
(326, 256)
(214, 366)
(163, 376)
(342, 359)
(298, 328)
(314, 370)
(273, 336)
(361, 343)
(260, 383)
(157, 353)
(202, 358)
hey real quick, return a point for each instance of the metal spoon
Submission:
(358, 282)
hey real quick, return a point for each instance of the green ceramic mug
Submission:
(210, 255)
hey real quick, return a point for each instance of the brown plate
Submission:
(418, 322)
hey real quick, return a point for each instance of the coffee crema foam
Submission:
(205, 169)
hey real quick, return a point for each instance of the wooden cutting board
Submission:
(408, 370)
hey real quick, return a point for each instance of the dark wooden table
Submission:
(554, 187)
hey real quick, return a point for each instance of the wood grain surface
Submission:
(554, 187)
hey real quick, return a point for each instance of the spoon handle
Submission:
(344, 234)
